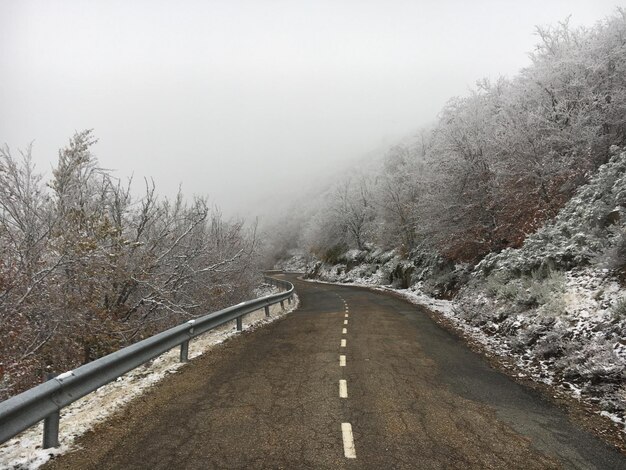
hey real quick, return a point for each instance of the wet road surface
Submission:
(353, 379)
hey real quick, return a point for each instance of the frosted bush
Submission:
(543, 290)
(555, 304)
(551, 345)
(619, 309)
(528, 291)
(594, 363)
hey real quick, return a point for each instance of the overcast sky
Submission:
(243, 100)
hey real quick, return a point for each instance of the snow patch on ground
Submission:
(25, 452)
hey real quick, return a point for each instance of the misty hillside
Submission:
(512, 206)
(557, 303)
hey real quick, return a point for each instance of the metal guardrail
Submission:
(44, 402)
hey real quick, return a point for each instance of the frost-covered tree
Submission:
(87, 267)
(397, 194)
(499, 162)
(352, 206)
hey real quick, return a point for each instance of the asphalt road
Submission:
(414, 397)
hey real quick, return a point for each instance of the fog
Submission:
(248, 102)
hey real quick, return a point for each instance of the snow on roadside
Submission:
(24, 451)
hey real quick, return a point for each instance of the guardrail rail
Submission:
(45, 401)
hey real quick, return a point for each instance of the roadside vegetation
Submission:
(512, 206)
(87, 267)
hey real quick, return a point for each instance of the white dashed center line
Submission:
(348, 441)
(343, 389)
(346, 428)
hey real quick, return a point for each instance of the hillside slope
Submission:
(558, 304)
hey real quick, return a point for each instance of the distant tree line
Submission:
(86, 267)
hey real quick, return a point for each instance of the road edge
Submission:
(584, 414)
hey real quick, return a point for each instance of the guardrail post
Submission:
(239, 324)
(289, 300)
(51, 426)
(282, 304)
(267, 310)
(184, 351)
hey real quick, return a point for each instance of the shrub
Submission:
(551, 345)
(446, 284)
(495, 283)
(539, 288)
(333, 254)
(619, 309)
(618, 262)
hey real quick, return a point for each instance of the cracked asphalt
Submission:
(417, 398)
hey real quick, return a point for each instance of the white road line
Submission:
(348, 441)
(342, 361)
(343, 343)
(343, 389)
(346, 315)
(344, 331)
(345, 322)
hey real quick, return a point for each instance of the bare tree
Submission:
(85, 267)
(353, 206)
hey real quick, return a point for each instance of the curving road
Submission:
(406, 394)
